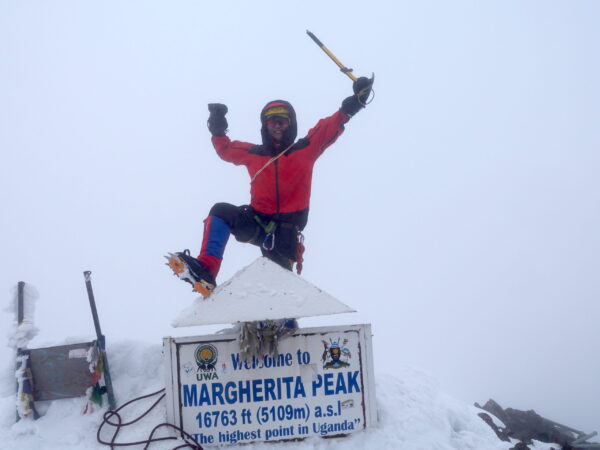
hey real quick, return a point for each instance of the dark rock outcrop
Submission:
(500, 432)
(520, 446)
(525, 426)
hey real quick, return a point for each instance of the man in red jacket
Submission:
(280, 170)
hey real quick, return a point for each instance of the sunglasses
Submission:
(281, 121)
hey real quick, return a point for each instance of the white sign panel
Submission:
(320, 384)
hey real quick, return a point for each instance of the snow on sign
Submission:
(320, 384)
(262, 290)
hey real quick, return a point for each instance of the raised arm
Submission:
(235, 152)
(327, 130)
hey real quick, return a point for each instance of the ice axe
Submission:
(342, 67)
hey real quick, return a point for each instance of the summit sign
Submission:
(319, 384)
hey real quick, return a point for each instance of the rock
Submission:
(501, 433)
(520, 446)
(525, 426)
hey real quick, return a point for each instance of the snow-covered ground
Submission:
(413, 413)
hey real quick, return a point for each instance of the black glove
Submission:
(362, 89)
(217, 123)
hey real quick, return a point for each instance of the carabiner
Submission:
(272, 239)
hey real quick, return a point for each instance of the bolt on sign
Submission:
(321, 383)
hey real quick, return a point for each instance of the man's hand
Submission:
(362, 89)
(217, 123)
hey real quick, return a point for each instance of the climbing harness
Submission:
(269, 241)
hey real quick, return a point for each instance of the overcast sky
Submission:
(459, 213)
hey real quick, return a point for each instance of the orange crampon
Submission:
(176, 264)
(180, 268)
(202, 289)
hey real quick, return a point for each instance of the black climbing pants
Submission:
(276, 238)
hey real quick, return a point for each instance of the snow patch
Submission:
(413, 414)
(21, 334)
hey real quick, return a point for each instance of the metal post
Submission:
(582, 437)
(88, 284)
(20, 317)
(101, 341)
(580, 442)
(20, 299)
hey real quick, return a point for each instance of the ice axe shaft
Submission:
(342, 67)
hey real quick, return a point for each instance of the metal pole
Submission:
(579, 433)
(580, 442)
(20, 299)
(20, 317)
(101, 341)
(88, 284)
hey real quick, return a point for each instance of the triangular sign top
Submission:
(263, 290)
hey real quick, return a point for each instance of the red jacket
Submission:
(284, 185)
